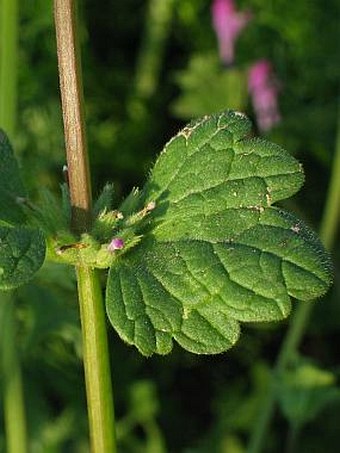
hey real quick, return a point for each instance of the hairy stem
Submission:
(95, 347)
(73, 113)
(290, 345)
(13, 400)
(96, 362)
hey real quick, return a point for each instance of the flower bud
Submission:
(116, 244)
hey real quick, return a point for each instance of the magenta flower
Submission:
(263, 88)
(228, 24)
(116, 244)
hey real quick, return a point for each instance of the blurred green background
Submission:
(148, 68)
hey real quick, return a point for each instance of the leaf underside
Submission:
(216, 252)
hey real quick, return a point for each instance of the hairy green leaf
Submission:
(22, 253)
(11, 187)
(22, 249)
(214, 251)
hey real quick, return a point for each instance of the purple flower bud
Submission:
(228, 24)
(115, 244)
(264, 89)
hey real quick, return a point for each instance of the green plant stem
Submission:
(8, 65)
(96, 361)
(330, 219)
(290, 345)
(95, 347)
(14, 406)
(72, 100)
(157, 25)
(10, 368)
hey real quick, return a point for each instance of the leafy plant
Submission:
(198, 250)
(214, 251)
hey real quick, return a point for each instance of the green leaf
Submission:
(22, 253)
(22, 249)
(11, 187)
(214, 251)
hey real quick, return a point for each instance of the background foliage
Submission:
(180, 402)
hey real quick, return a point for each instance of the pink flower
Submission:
(115, 244)
(263, 88)
(228, 24)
